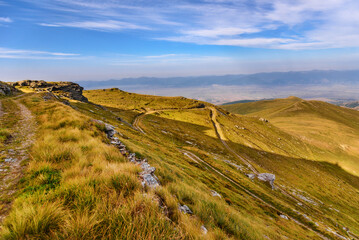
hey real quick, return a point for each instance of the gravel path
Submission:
(16, 151)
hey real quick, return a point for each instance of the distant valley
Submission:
(324, 85)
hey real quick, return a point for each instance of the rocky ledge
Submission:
(6, 89)
(63, 89)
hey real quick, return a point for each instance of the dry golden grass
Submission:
(98, 192)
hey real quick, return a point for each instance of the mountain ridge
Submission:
(314, 77)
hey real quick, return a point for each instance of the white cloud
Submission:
(6, 19)
(109, 25)
(281, 24)
(223, 31)
(33, 54)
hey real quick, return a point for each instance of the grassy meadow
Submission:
(77, 185)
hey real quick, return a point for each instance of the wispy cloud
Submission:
(5, 19)
(166, 60)
(276, 24)
(109, 25)
(170, 55)
(33, 54)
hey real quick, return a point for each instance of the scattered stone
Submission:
(335, 233)
(10, 159)
(306, 217)
(267, 177)
(284, 217)
(204, 230)
(215, 194)
(238, 167)
(148, 177)
(263, 120)
(185, 209)
(149, 180)
(307, 199)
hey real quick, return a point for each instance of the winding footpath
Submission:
(14, 152)
(222, 138)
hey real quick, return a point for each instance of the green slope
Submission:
(88, 187)
(332, 129)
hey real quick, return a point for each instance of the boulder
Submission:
(215, 194)
(267, 177)
(204, 230)
(263, 120)
(185, 209)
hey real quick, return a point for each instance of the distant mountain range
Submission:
(273, 79)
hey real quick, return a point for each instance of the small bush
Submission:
(82, 225)
(30, 221)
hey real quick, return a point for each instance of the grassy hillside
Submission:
(332, 130)
(77, 185)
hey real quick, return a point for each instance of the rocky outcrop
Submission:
(6, 89)
(63, 89)
(267, 177)
(148, 172)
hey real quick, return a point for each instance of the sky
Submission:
(111, 39)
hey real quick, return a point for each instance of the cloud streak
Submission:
(8, 53)
(109, 25)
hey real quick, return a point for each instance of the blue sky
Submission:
(103, 39)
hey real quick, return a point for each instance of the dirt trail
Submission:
(14, 153)
(220, 135)
(137, 121)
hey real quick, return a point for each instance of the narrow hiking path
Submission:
(14, 152)
(137, 120)
(223, 139)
